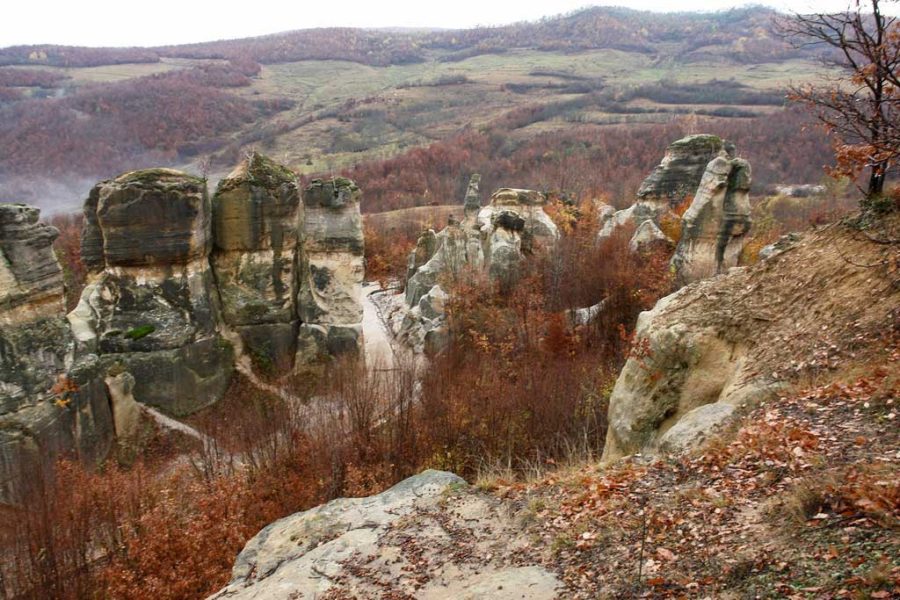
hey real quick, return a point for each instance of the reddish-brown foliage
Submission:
(585, 161)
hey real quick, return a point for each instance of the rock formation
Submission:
(331, 270)
(719, 346)
(50, 402)
(497, 237)
(361, 546)
(472, 201)
(170, 276)
(674, 179)
(255, 224)
(151, 300)
(714, 226)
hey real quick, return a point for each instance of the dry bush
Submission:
(386, 251)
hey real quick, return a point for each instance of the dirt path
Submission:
(379, 350)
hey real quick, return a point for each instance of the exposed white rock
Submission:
(361, 546)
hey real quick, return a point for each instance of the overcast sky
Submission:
(159, 22)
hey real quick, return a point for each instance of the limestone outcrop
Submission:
(714, 226)
(151, 301)
(255, 226)
(332, 268)
(362, 546)
(50, 401)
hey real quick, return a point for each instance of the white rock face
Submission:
(647, 233)
(369, 547)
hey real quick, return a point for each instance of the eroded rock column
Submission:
(331, 271)
(150, 301)
(256, 212)
(714, 227)
(50, 401)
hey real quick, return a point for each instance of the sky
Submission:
(162, 22)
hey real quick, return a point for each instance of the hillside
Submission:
(439, 103)
(798, 498)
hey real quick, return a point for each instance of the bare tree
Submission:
(860, 107)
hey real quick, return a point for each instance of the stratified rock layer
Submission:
(31, 282)
(256, 221)
(331, 270)
(151, 299)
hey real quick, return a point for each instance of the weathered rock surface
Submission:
(647, 235)
(151, 300)
(681, 169)
(496, 237)
(715, 225)
(677, 177)
(375, 547)
(705, 354)
(256, 224)
(331, 270)
(50, 403)
(31, 282)
(472, 201)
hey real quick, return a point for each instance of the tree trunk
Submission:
(876, 181)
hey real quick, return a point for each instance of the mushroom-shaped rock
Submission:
(151, 297)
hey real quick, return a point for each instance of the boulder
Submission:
(151, 301)
(716, 348)
(360, 547)
(647, 235)
(680, 367)
(331, 268)
(255, 224)
(715, 225)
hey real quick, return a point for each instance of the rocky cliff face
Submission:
(256, 227)
(171, 276)
(50, 400)
(151, 301)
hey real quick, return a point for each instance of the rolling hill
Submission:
(562, 103)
